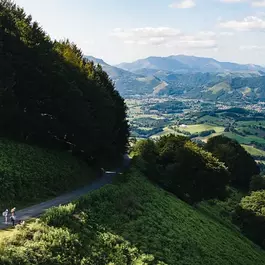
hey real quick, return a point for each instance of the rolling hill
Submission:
(184, 63)
(130, 222)
(189, 77)
(128, 83)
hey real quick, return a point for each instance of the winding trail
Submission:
(38, 209)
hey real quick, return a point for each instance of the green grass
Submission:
(249, 123)
(166, 131)
(197, 128)
(128, 222)
(29, 174)
(244, 139)
(254, 151)
(223, 86)
(124, 224)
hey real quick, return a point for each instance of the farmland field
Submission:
(200, 121)
(254, 151)
(197, 128)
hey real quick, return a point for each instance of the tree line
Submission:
(196, 173)
(51, 96)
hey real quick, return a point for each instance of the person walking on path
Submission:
(13, 216)
(13, 211)
(5, 214)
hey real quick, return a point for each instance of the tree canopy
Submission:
(51, 95)
(250, 216)
(183, 168)
(241, 164)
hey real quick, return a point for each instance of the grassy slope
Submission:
(254, 151)
(197, 128)
(31, 174)
(158, 223)
(244, 139)
(151, 219)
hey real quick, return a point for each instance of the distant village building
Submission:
(183, 126)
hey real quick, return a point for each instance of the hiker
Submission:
(5, 214)
(13, 216)
(13, 219)
(13, 211)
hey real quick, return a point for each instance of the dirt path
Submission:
(38, 209)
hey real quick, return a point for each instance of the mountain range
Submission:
(188, 76)
(184, 63)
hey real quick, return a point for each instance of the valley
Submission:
(199, 120)
(194, 97)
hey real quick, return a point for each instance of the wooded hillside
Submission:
(51, 96)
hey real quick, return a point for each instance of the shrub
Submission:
(240, 163)
(250, 217)
(183, 168)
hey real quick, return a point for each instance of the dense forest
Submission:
(51, 96)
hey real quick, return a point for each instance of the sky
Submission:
(126, 30)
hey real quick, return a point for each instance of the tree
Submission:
(147, 150)
(50, 95)
(250, 216)
(257, 183)
(185, 169)
(240, 163)
(189, 171)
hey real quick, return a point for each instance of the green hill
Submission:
(124, 223)
(31, 174)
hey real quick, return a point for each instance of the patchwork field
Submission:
(254, 151)
(197, 128)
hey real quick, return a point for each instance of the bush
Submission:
(240, 163)
(255, 202)
(250, 217)
(80, 240)
(183, 168)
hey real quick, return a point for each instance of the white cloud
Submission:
(250, 23)
(226, 33)
(260, 3)
(168, 37)
(207, 34)
(155, 32)
(183, 4)
(254, 3)
(233, 1)
(251, 47)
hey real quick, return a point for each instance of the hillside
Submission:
(128, 83)
(31, 174)
(189, 77)
(51, 96)
(132, 222)
(59, 113)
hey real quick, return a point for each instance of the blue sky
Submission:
(126, 30)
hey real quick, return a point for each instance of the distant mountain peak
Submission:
(96, 60)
